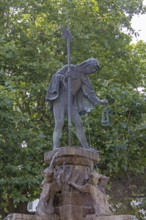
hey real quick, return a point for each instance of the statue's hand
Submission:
(70, 183)
(104, 102)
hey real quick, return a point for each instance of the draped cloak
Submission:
(84, 97)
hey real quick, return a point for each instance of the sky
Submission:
(139, 24)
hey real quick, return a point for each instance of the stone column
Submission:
(72, 164)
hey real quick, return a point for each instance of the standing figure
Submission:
(95, 187)
(83, 97)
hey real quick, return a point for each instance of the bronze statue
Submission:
(83, 97)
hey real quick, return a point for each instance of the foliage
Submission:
(31, 50)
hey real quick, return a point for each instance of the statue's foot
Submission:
(87, 147)
(90, 148)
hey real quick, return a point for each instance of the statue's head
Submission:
(89, 66)
(98, 179)
(94, 178)
(49, 174)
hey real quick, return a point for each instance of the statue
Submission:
(49, 188)
(96, 188)
(83, 98)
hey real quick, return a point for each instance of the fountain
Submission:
(72, 189)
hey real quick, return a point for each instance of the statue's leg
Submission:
(76, 119)
(58, 110)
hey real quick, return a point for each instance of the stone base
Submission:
(72, 188)
(72, 155)
(16, 216)
(112, 217)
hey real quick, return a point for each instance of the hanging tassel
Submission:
(105, 117)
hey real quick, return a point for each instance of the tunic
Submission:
(83, 96)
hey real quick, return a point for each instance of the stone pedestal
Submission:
(72, 155)
(72, 164)
(112, 217)
(16, 216)
(72, 189)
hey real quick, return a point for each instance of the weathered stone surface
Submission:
(72, 155)
(67, 212)
(18, 216)
(112, 217)
(71, 187)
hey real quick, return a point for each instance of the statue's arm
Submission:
(62, 74)
(83, 188)
(97, 101)
(53, 89)
(90, 93)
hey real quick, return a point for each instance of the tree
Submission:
(32, 49)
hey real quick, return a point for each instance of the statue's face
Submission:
(50, 177)
(91, 69)
(94, 178)
(90, 66)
